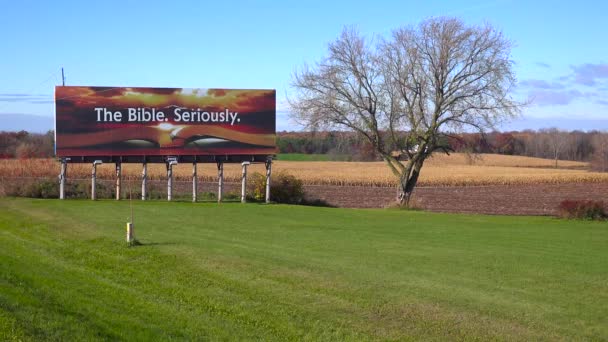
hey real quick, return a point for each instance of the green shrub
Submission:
(48, 189)
(256, 186)
(284, 188)
(34, 188)
(231, 196)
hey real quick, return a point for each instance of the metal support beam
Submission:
(170, 179)
(94, 180)
(62, 176)
(244, 182)
(144, 181)
(118, 179)
(268, 172)
(194, 182)
(220, 181)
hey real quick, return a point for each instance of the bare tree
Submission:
(557, 141)
(409, 90)
(600, 151)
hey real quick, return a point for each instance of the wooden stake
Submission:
(129, 233)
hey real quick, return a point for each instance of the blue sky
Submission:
(561, 48)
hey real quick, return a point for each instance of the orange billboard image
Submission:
(129, 121)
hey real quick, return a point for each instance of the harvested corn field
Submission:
(441, 170)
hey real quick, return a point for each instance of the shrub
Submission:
(582, 209)
(284, 188)
(35, 188)
(41, 189)
(231, 196)
(256, 186)
(48, 189)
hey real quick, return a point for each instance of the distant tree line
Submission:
(545, 143)
(23, 144)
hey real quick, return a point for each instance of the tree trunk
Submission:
(408, 183)
(556, 157)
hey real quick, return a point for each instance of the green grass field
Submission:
(275, 272)
(303, 157)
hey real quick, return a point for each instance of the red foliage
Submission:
(582, 209)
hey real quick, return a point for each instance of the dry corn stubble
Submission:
(440, 170)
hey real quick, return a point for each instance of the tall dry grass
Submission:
(438, 171)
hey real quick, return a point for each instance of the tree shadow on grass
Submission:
(148, 244)
(317, 203)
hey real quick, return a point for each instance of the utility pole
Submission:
(62, 77)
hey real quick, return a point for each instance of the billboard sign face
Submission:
(120, 121)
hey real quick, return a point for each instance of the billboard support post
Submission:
(244, 182)
(220, 181)
(62, 175)
(118, 179)
(268, 172)
(170, 164)
(94, 180)
(144, 180)
(194, 180)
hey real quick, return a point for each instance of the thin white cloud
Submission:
(588, 74)
(552, 97)
(543, 65)
(541, 84)
(26, 98)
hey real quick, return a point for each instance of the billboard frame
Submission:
(168, 159)
(264, 103)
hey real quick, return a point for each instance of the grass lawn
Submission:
(275, 272)
(303, 157)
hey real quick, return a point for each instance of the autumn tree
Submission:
(409, 90)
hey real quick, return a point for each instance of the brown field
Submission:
(531, 199)
(441, 170)
(501, 160)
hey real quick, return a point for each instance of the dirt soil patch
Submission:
(541, 199)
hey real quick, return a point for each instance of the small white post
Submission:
(94, 180)
(129, 233)
(220, 181)
(144, 180)
(268, 172)
(244, 182)
(170, 179)
(62, 176)
(118, 179)
(194, 182)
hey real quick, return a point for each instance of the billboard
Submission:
(122, 121)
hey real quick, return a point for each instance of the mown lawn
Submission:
(303, 157)
(275, 272)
